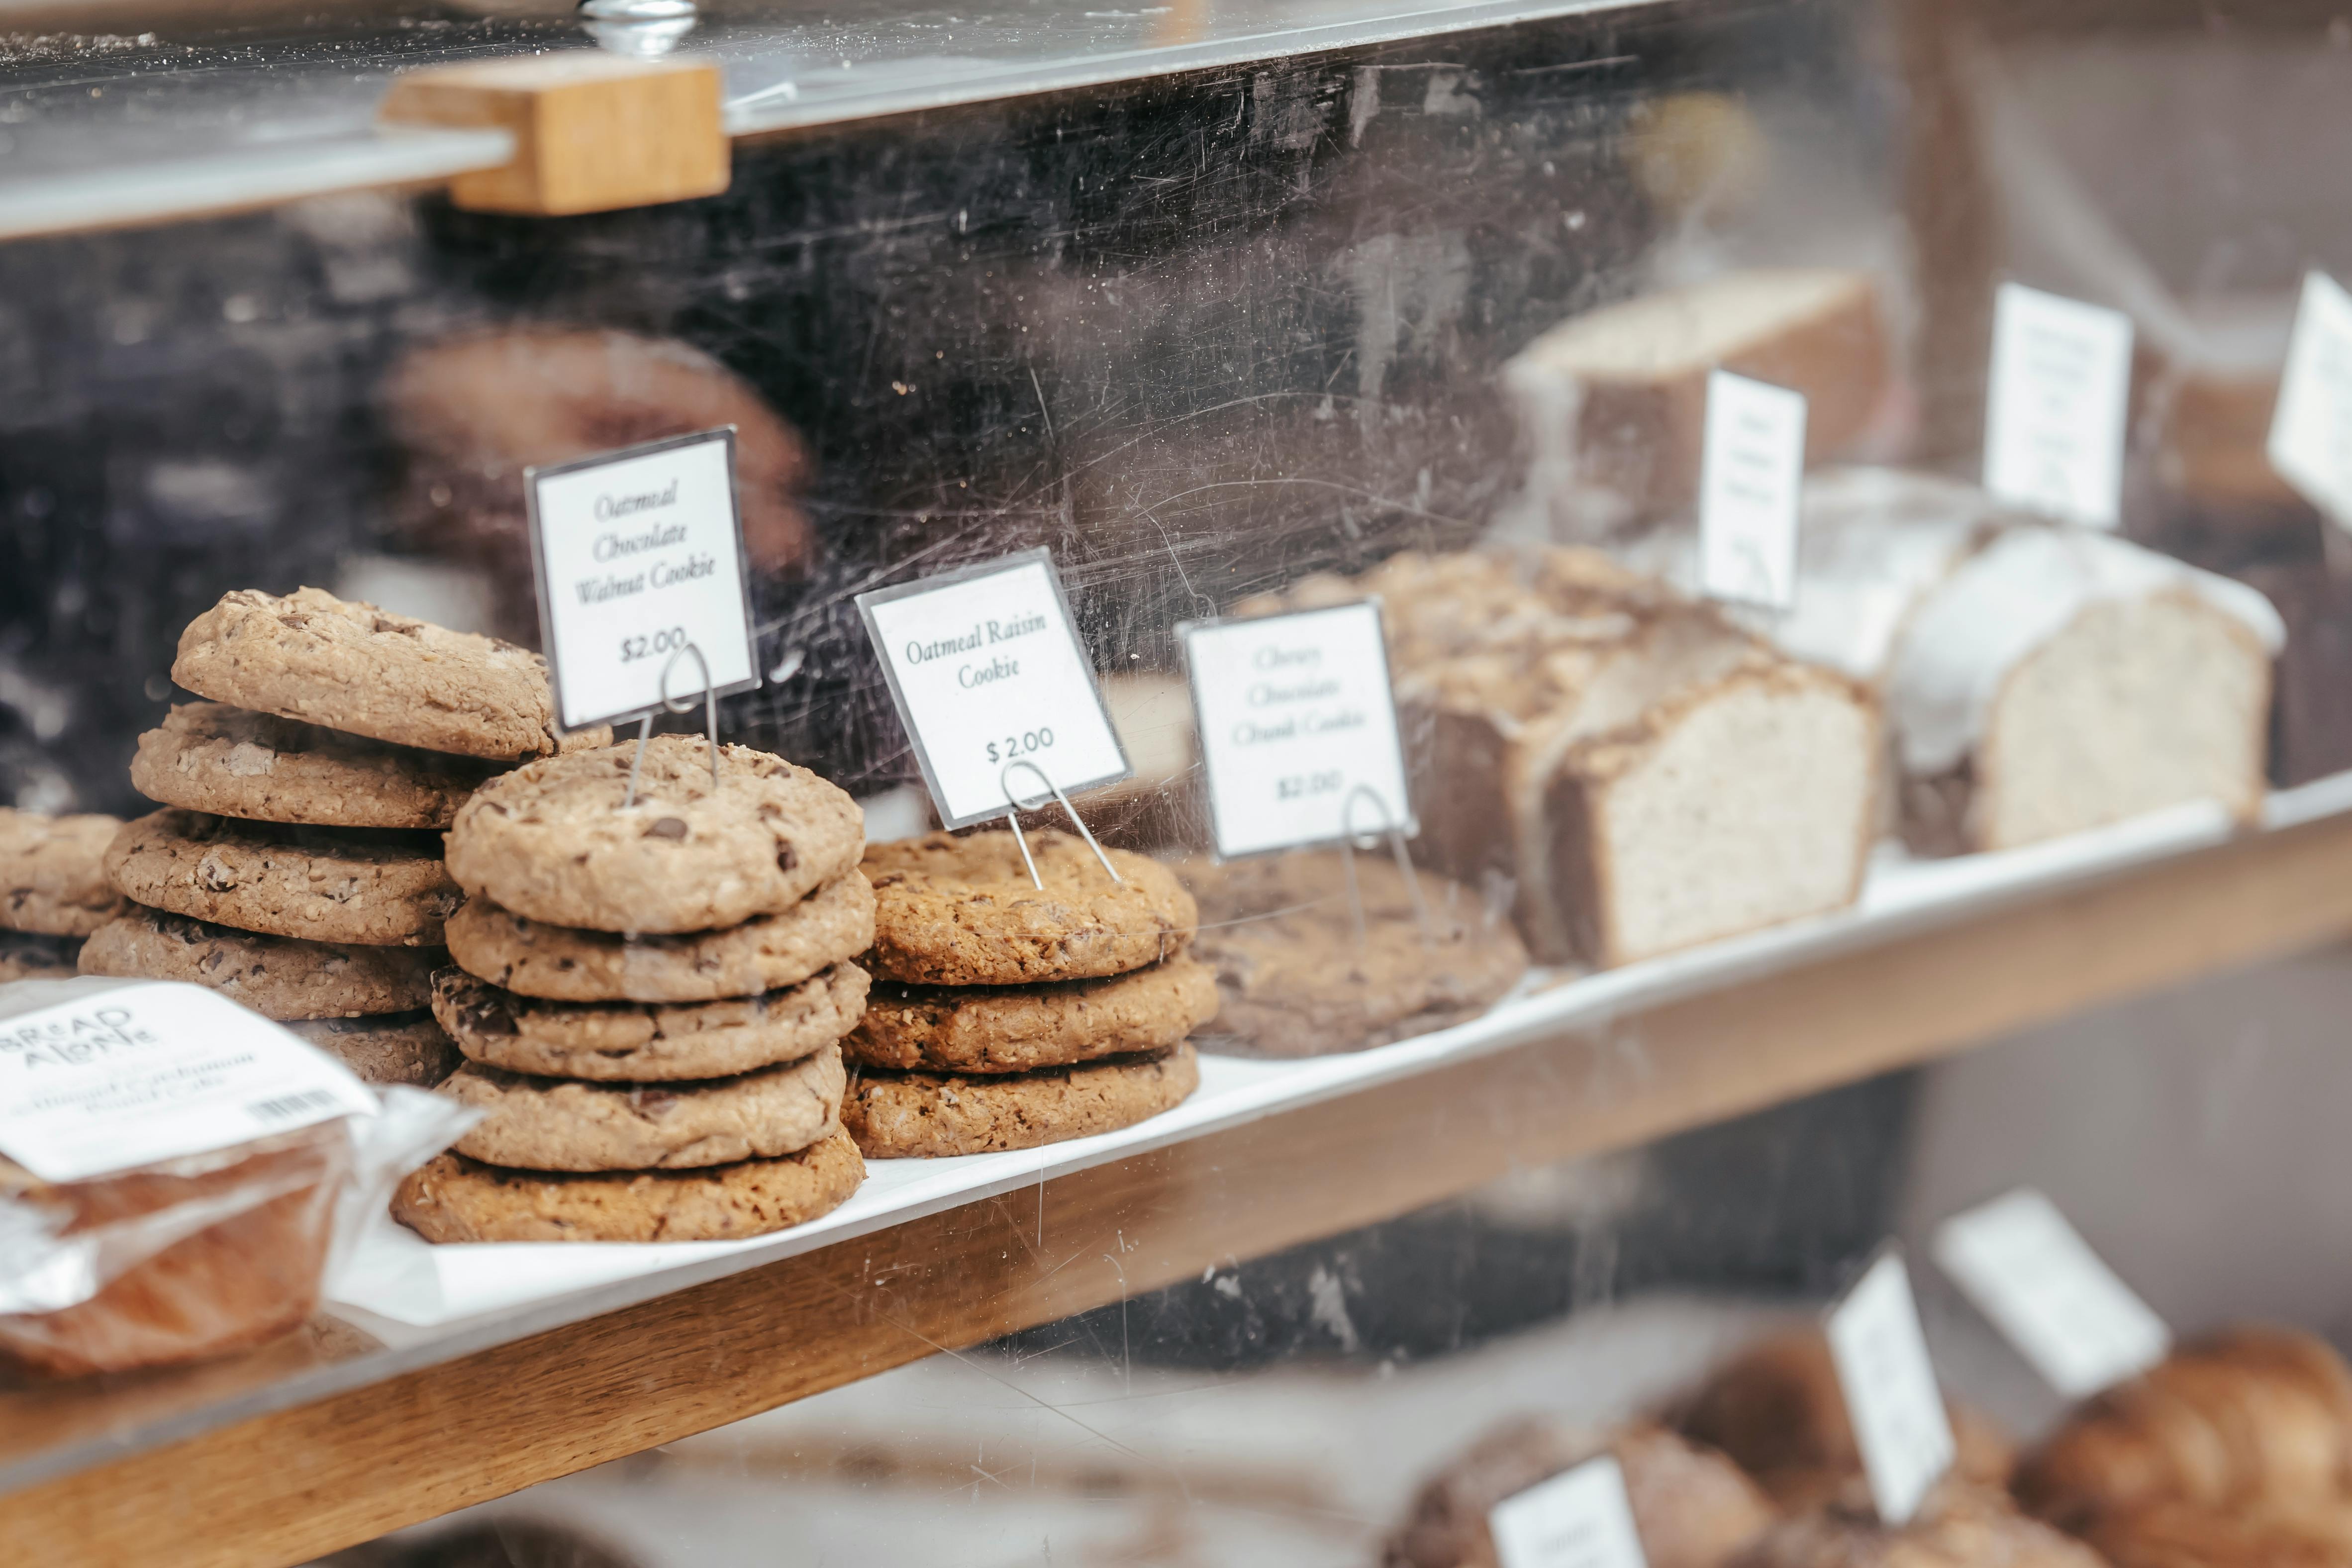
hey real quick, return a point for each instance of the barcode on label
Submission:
(291, 1105)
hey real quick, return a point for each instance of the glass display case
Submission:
(1789, 557)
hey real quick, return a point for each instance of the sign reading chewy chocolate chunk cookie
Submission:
(1298, 727)
(640, 556)
(993, 689)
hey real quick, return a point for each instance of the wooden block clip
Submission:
(593, 132)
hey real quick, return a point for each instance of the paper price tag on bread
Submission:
(993, 686)
(642, 594)
(1751, 480)
(113, 1077)
(1580, 1518)
(1297, 729)
(1890, 1389)
(2059, 388)
(2049, 1295)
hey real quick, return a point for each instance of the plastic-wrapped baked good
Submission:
(174, 1170)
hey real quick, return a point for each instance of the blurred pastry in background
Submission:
(1958, 1526)
(471, 414)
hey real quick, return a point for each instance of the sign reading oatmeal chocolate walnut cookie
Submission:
(1299, 729)
(643, 596)
(994, 687)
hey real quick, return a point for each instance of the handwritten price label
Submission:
(989, 677)
(1298, 727)
(639, 554)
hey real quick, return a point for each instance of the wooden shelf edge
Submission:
(284, 1487)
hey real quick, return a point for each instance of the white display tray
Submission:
(408, 1292)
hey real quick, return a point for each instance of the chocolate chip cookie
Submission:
(352, 666)
(452, 1198)
(53, 872)
(962, 912)
(560, 1124)
(1297, 981)
(277, 976)
(640, 1042)
(1015, 1028)
(393, 1047)
(24, 957)
(208, 756)
(552, 842)
(377, 886)
(923, 1115)
(763, 953)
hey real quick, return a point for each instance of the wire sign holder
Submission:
(1299, 738)
(988, 676)
(639, 556)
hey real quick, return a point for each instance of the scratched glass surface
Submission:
(1217, 302)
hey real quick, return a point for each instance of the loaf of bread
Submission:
(1630, 771)
(2038, 680)
(1612, 404)
(249, 1228)
(2246, 1419)
(1776, 1410)
(1692, 1507)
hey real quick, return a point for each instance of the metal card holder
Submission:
(673, 705)
(1015, 807)
(1388, 827)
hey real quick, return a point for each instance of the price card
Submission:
(1298, 727)
(116, 1077)
(1890, 1389)
(1579, 1519)
(1751, 479)
(2059, 390)
(985, 666)
(639, 554)
(2053, 1297)
(2311, 430)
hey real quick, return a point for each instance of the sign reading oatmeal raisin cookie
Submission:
(643, 596)
(994, 689)
(1299, 729)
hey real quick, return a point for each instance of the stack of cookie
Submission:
(649, 991)
(53, 891)
(297, 865)
(1005, 1016)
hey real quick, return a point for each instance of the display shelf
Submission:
(352, 1430)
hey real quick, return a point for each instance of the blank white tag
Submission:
(117, 1076)
(1751, 480)
(2055, 1299)
(639, 554)
(1298, 727)
(2311, 430)
(1579, 1519)
(1890, 1390)
(2058, 393)
(994, 687)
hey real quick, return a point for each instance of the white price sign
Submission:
(116, 1077)
(1579, 1519)
(639, 554)
(994, 687)
(2049, 1295)
(2057, 395)
(2311, 430)
(1298, 727)
(1751, 480)
(1891, 1395)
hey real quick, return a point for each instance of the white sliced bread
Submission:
(1612, 404)
(2038, 680)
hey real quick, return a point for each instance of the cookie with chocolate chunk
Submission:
(208, 756)
(553, 841)
(453, 1198)
(1016, 1028)
(373, 886)
(925, 1115)
(390, 1048)
(562, 1124)
(277, 976)
(24, 957)
(351, 665)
